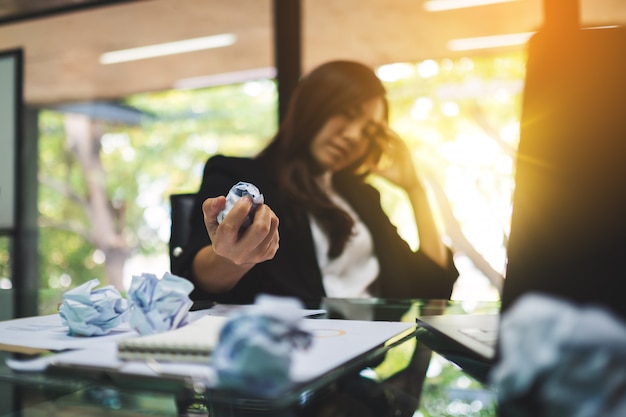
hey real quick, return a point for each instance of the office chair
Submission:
(180, 208)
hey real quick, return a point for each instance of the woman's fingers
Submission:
(210, 208)
(257, 243)
(264, 233)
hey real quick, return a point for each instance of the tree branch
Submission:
(459, 242)
(61, 188)
(68, 226)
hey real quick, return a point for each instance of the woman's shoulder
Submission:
(231, 164)
(220, 160)
(233, 169)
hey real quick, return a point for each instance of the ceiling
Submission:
(63, 39)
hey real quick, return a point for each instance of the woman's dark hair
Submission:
(331, 89)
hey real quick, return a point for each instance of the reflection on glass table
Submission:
(404, 380)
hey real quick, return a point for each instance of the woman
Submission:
(334, 239)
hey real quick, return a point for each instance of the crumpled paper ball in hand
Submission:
(560, 359)
(236, 192)
(156, 305)
(89, 312)
(254, 352)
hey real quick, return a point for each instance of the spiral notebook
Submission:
(191, 343)
(339, 346)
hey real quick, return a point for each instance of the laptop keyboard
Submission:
(485, 336)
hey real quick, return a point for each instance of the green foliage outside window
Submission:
(143, 165)
(5, 262)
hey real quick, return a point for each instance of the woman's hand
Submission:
(396, 163)
(258, 243)
(219, 267)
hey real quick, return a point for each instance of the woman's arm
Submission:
(397, 167)
(429, 236)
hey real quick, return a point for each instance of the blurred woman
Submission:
(322, 231)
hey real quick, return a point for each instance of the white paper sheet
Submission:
(335, 343)
(49, 333)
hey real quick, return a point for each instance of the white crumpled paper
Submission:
(236, 192)
(254, 351)
(156, 305)
(89, 312)
(559, 359)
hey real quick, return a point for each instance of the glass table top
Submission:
(405, 378)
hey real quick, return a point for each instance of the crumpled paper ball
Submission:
(254, 352)
(236, 192)
(89, 312)
(156, 305)
(560, 359)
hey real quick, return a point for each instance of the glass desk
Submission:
(405, 378)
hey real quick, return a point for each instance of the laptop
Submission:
(568, 224)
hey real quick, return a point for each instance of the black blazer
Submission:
(294, 270)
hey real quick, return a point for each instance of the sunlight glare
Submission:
(128, 154)
(510, 133)
(504, 165)
(476, 405)
(469, 305)
(428, 68)
(207, 143)
(471, 149)
(98, 257)
(65, 280)
(421, 108)
(395, 72)
(503, 95)
(463, 382)
(450, 108)
(434, 369)
(466, 64)
(253, 88)
(111, 142)
(5, 283)
(155, 216)
(458, 408)
(447, 64)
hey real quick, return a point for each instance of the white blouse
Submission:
(348, 275)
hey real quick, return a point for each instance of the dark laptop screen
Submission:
(568, 226)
